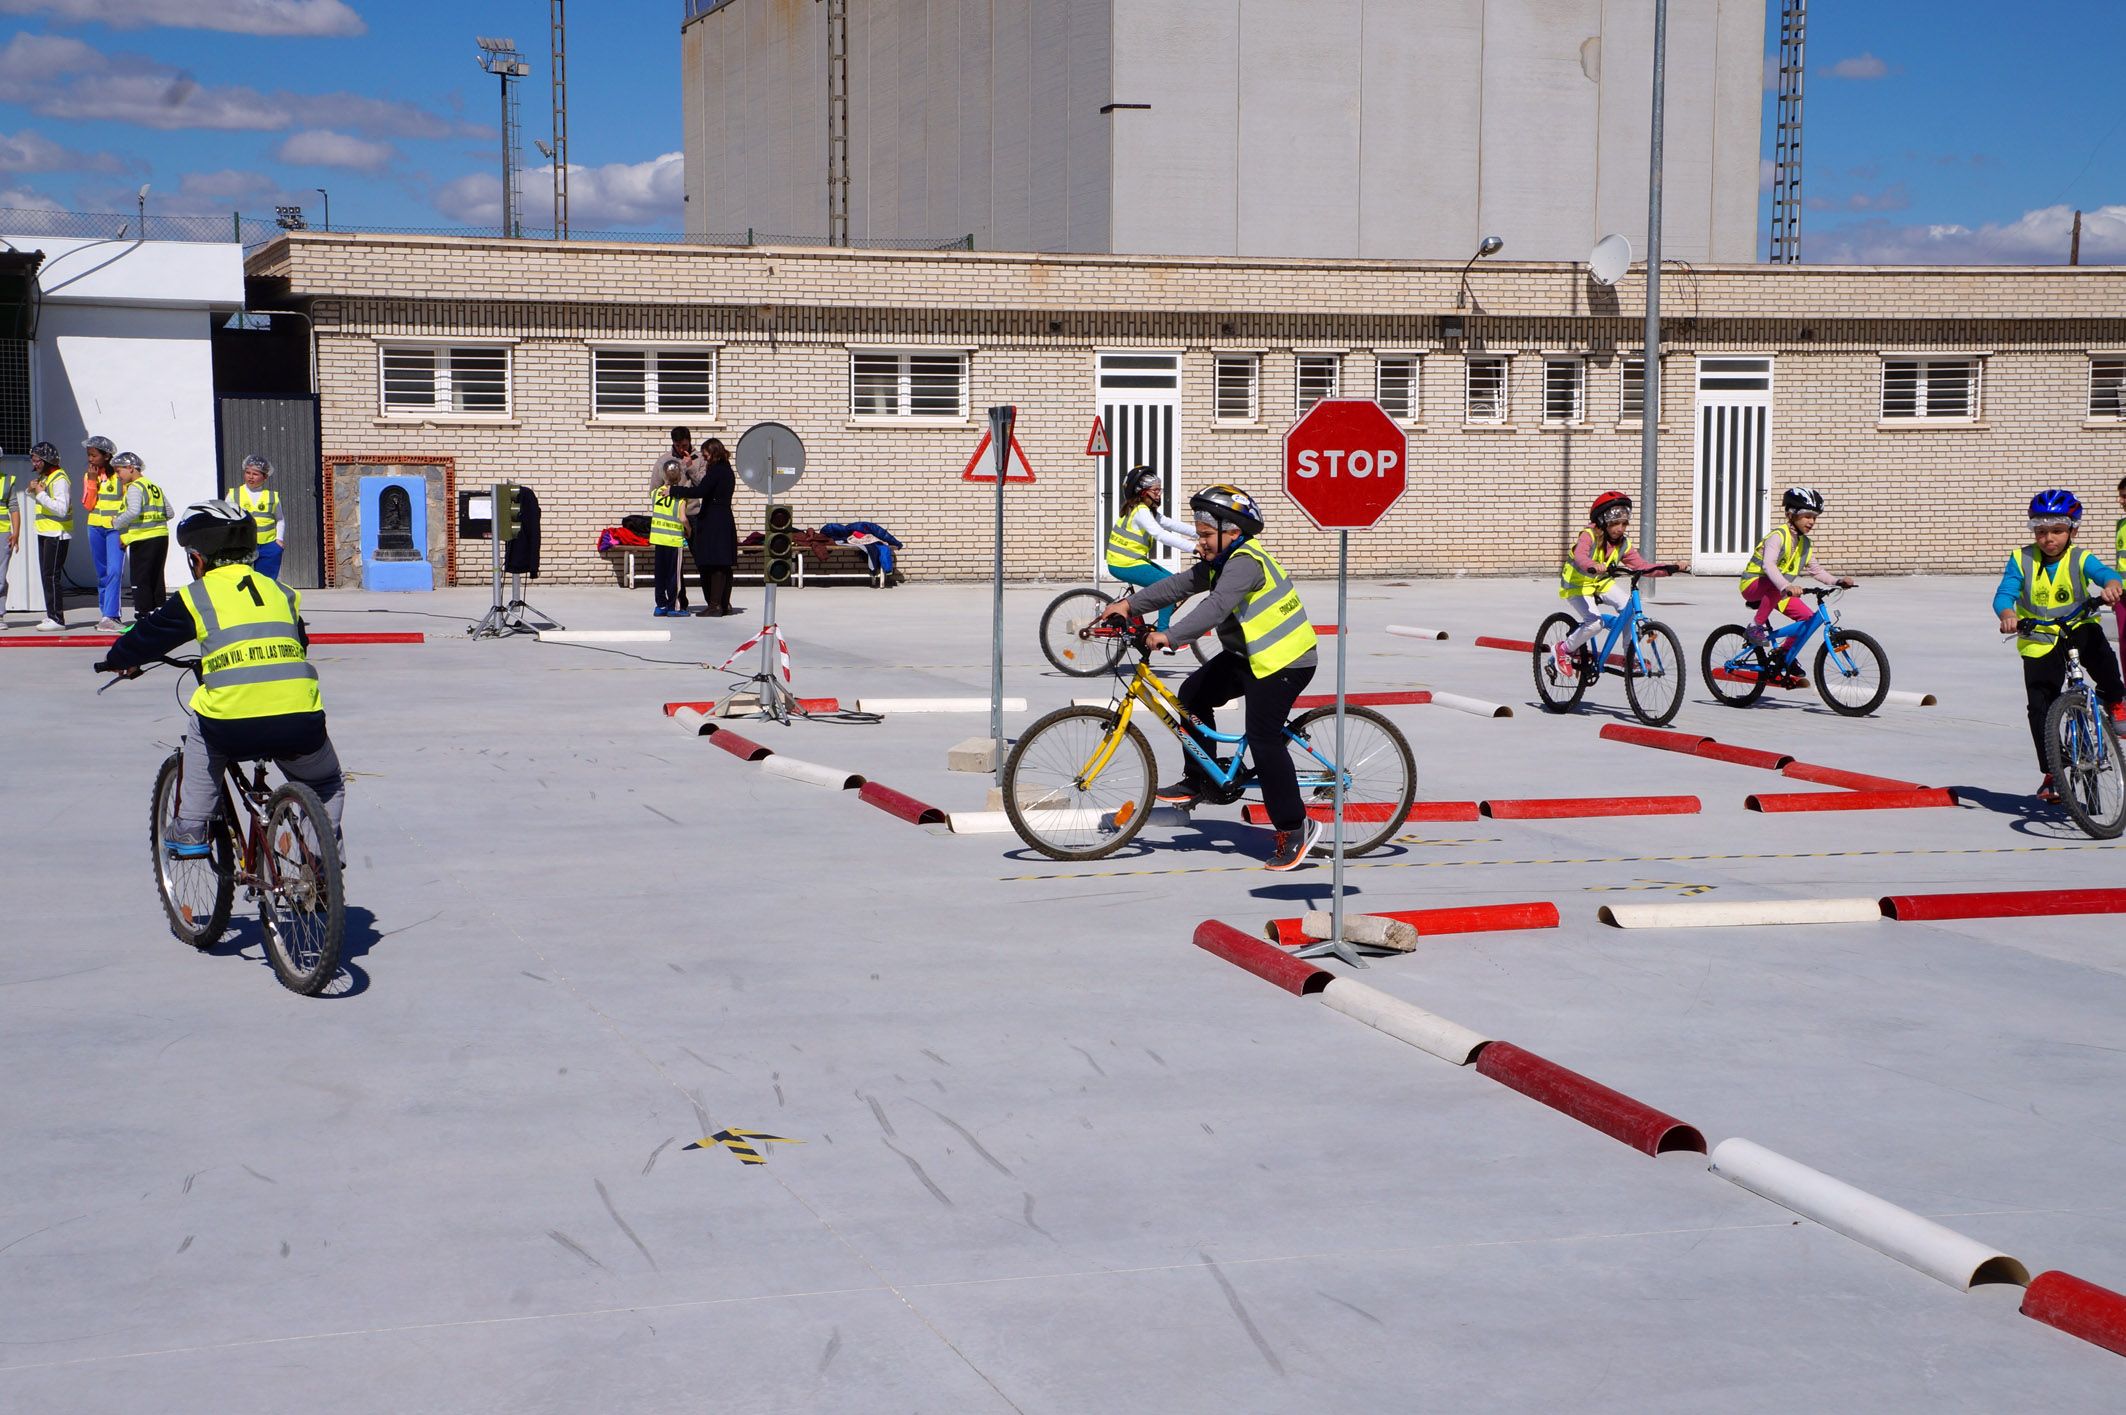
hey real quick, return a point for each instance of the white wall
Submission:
(123, 350)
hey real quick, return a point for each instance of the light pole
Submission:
(1650, 417)
(328, 205)
(1491, 245)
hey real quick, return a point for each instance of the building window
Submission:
(2107, 388)
(453, 380)
(911, 384)
(1318, 375)
(653, 383)
(14, 396)
(1631, 403)
(1239, 388)
(1564, 391)
(1395, 386)
(1930, 390)
(1485, 387)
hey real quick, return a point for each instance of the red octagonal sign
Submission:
(1345, 463)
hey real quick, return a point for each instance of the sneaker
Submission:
(2118, 712)
(186, 843)
(109, 626)
(2044, 790)
(1183, 793)
(1562, 658)
(1758, 635)
(50, 626)
(1290, 848)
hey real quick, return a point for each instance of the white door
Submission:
(1731, 467)
(1139, 401)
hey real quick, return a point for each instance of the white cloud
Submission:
(1860, 66)
(320, 147)
(29, 151)
(2037, 237)
(646, 195)
(298, 18)
(22, 199)
(1894, 197)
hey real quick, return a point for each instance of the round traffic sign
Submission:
(1345, 463)
(769, 458)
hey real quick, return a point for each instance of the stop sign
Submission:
(1344, 463)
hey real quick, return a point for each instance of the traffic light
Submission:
(778, 548)
(507, 512)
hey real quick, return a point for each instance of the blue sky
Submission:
(1937, 131)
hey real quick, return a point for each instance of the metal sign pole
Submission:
(1650, 414)
(1343, 636)
(1001, 421)
(773, 699)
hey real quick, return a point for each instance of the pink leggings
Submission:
(1760, 596)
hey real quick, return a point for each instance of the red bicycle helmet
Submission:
(1608, 506)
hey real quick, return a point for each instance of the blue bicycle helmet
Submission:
(2055, 505)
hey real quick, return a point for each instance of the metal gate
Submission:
(1140, 404)
(1730, 464)
(284, 430)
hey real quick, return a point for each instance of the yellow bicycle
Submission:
(1079, 783)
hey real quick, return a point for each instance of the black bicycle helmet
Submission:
(1138, 480)
(1802, 498)
(1229, 506)
(219, 533)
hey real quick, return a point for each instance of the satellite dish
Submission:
(769, 458)
(1611, 258)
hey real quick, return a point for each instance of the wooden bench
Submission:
(827, 564)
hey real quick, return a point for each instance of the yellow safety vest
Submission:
(665, 526)
(2051, 603)
(2119, 561)
(265, 508)
(1792, 556)
(1572, 582)
(251, 662)
(1272, 620)
(154, 522)
(110, 500)
(7, 505)
(1128, 546)
(48, 524)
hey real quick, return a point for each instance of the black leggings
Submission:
(716, 588)
(148, 557)
(2044, 677)
(51, 557)
(665, 570)
(1269, 703)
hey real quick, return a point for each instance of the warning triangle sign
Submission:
(980, 467)
(1096, 441)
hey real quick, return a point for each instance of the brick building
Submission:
(1926, 402)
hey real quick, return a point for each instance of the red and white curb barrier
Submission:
(1469, 919)
(1921, 908)
(1409, 631)
(1904, 699)
(1406, 1022)
(1858, 791)
(2095, 1314)
(1778, 802)
(1574, 808)
(1620, 1117)
(1740, 913)
(811, 773)
(1480, 707)
(744, 748)
(899, 804)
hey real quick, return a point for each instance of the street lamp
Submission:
(1492, 245)
(328, 205)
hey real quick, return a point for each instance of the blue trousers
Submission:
(1141, 576)
(108, 551)
(269, 561)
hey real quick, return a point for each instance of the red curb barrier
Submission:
(2095, 1314)
(1726, 677)
(1743, 756)
(1776, 802)
(393, 638)
(1315, 700)
(104, 641)
(895, 803)
(1484, 641)
(1475, 918)
(670, 708)
(1569, 807)
(1849, 780)
(1591, 1103)
(1657, 737)
(742, 747)
(1294, 975)
(1374, 812)
(2004, 904)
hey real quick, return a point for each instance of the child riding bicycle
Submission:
(2043, 599)
(1268, 656)
(1779, 560)
(1129, 540)
(1587, 580)
(257, 698)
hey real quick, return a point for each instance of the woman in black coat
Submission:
(713, 534)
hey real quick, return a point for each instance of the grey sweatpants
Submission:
(7, 553)
(318, 770)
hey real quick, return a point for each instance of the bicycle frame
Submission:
(1792, 639)
(1157, 699)
(1628, 618)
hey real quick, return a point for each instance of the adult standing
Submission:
(8, 537)
(713, 534)
(667, 535)
(52, 490)
(264, 504)
(102, 500)
(144, 529)
(691, 469)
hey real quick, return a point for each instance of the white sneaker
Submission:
(50, 626)
(109, 626)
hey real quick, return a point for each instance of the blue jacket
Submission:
(2094, 570)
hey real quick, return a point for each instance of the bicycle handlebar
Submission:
(1637, 575)
(125, 675)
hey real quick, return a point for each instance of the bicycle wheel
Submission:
(1066, 614)
(1735, 669)
(2088, 768)
(1380, 775)
(1051, 803)
(1654, 673)
(1852, 673)
(1556, 694)
(196, 894)
(302, 903)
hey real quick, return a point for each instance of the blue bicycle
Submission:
(1852, 672)
(2082, 752)
(1652, 660)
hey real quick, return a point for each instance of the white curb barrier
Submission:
(1405, 631)
(935, 704)
(605, 636)
(1475, 705)
(694, 720)
(1727, 913)
(812, 773)
(1449, 1041)
(1369, 929)
(1898, 695)
(1941, 1253)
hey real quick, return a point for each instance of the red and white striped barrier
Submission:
(899, 804)
(1740, 913)
(1468, 919)
(1593, 1104)
(1449, 1041)
(744, 748)
(1272, 965)
(811, 773)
